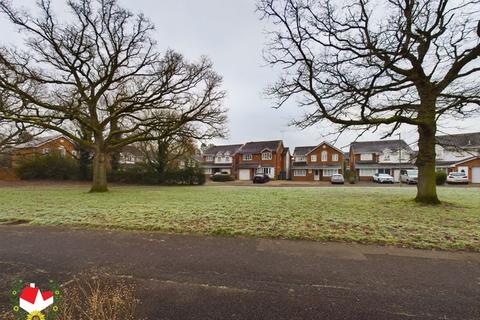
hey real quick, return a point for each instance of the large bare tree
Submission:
(364, 64)
(98, 71)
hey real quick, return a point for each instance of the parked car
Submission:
(457, 177)
(382, 178)
(222, 172)
(261, 178)
(337, 178)
(409, 176)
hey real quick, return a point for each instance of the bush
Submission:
(441, 177)
(222, 178)
(144, 174)
(52, 166)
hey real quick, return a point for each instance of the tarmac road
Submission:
(196, 277)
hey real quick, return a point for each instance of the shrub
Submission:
(134, 174)
(52, 166)
(222, 178)
(440, 177)
(145, 174)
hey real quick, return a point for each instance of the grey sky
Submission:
(230, 33)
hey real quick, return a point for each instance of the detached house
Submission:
(460, 153)
(220, 159)
(383, 156)
(268, 157)
(317, 163)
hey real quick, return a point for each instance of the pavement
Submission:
(197, 277)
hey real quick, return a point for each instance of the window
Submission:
(313, 158)
(247, 157)
(324, 156)
(45, 150)
(300, 158)
(386, 171)
(74, 153)
(219, 159)
(366, 157)
(62, 151)
(335, 157)
(266, 156)
(207, 171)
(228, 159)
(329, 172)
(267, 171)
(300, 173)
(209, 158)
(367, 172)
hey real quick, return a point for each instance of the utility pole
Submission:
(400, 157)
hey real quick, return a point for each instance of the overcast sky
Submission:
(231, 34)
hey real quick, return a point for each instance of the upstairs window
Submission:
(209, 158)
(62, 151)
(247, 157)
(366, 157)
(300, 159)
(45, 150)
(313, 158)
(335, 157)
(219, 159)
(266, 156)
(324, 156)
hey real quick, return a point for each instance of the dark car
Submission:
(261, 178)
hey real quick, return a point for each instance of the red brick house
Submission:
(317, 163)
(268, 157)
(42, 145)
(220, 159)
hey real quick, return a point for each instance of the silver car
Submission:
(337, 178)
(409, 176)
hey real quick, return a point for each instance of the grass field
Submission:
(364, 215)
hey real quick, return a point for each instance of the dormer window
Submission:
(219, 159)
(247, 157)
(267, 155)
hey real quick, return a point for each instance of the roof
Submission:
(441, 163)
(38, 141)
(231, 148)
(131, 149)
(378, 146)
(259, 146)
(301, 151)
(461, 140)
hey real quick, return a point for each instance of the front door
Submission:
(316, 175)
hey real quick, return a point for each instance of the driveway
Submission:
(193, 277)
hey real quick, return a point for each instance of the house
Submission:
(42, 145)
(220, 159)
(459, 153)
(268, 157)
(383, 156)
(130, 155)
(317, 163)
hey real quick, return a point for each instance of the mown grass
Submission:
(365, 215)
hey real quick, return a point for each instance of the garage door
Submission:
(476, 175)
(244, 174)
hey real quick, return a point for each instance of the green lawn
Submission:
(365, 215)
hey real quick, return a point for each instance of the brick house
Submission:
(40, 146)
(459, 153)
(383, 156)
(317, 163)
(268, 157)
(220, 159)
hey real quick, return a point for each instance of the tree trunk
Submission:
(427, 187)
(99, 172)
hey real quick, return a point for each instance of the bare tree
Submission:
(99, 71)
(363, 64)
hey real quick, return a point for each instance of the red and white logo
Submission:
(32, 299)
